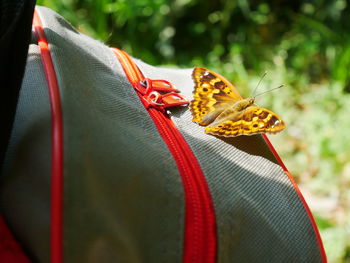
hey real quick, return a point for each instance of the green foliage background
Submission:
(303, 44)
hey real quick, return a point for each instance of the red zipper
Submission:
(200, 239)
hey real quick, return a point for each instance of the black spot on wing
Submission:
(263, 115)
(207, 77)
(219, 85)
(247, 117)
(273, 120)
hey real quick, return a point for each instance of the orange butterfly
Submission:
(218, 104)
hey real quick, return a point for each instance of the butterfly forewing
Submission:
(212, 95)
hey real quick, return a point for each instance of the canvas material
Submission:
(25, 180)
(123, 196)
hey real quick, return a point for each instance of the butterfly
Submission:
(217, 105)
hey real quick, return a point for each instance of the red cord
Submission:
(314, 225)
(57, 144)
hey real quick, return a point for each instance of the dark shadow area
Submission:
(254, 145)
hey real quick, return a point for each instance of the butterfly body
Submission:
(218, 106)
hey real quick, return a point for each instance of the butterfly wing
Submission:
(212, 95)
(252, 120)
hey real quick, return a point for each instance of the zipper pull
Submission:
(151, 96)
(146, 86)
(173, 99)
(163, 85)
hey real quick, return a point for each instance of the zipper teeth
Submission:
(200, 228)
(205, 207)
(193, 203)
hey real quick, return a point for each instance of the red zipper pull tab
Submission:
(151, 96)
(173, 99)
(163, 85)
(146, 86)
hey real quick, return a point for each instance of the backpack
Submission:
(105, 164)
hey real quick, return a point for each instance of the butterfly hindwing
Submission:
(212, 95)
(252, 120)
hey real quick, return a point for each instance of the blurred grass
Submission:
(303, 44)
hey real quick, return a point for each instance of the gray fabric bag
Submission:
(123, 197)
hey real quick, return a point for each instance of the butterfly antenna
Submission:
(269, 90)
(262, 77)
